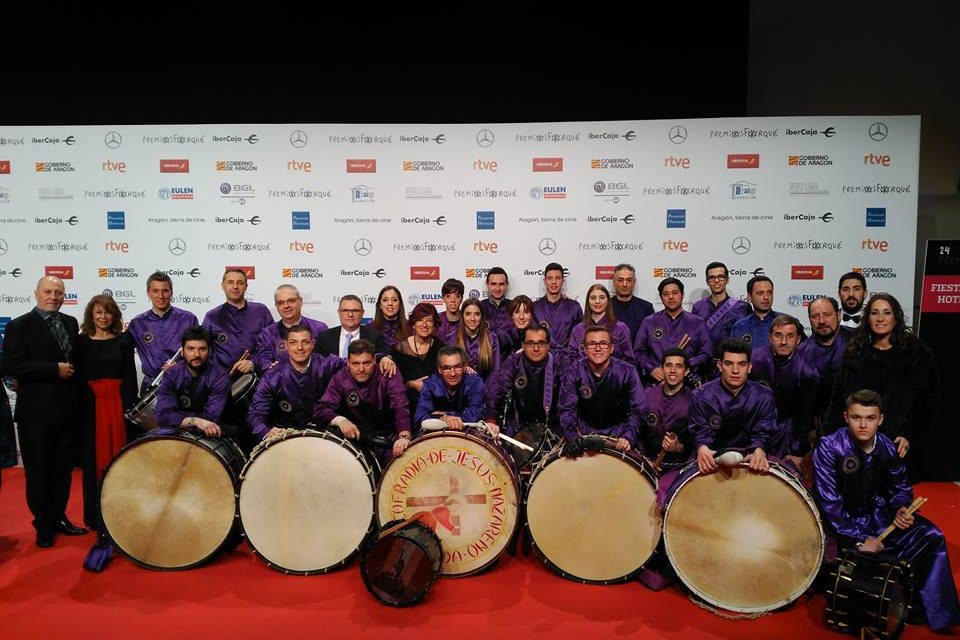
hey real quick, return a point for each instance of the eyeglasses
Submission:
(350, 310)
(785, 336)
(451, 367)
(596, 345)
(535, 344)
(709, 278)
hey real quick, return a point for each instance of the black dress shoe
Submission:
(68, 528)
(44, 539)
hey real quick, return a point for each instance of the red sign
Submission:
(806, 272)
(62, 272)
(424, 273)
(4, 166)
(548, 164)
(250, 272)
(181, 165)
(361, 166)
(941, 294)
(743, 160)
(604, 272)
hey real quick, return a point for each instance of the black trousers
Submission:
(49, 450)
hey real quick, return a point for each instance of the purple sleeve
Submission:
(765, 428)
(425, 403)
(699, 424)
(495, 348)
(495, 390)
(260, 405)
(642, 350)
(638, 407)
(704, 347)
(264, 351)
(328, 404)
(217, 393)
(576, 335)
(567, 403)
(167, 409)
(825, 459)
(473, 393)
(624, 348)
(399, 403)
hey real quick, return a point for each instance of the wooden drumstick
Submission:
(400, 525)
(916, 504)
(160, 375)
(662, 454)
(684, 341)
(482, 426)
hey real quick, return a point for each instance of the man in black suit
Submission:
(336, 341)
(37, 350)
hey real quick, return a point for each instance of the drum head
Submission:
(744, 541)
(242, 384)
(168, 503)
(466, 488)
(593, 518)
(306, 503)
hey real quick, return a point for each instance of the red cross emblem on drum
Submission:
(464, 486)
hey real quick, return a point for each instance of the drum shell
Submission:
(866, 589)
(171, 488)
(417, 541)
(275, 486)
(566, 516)
(144, 412)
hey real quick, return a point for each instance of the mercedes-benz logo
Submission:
(362, 247)
(678, 133)
(878, 131)
(547, 246)
(298, 139)
(740, 245)
(485, 138)
(112, 139)
(3, 247)
(177, 246)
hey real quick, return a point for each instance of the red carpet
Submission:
(46, 593)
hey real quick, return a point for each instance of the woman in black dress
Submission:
(106, 367)
(416, 356)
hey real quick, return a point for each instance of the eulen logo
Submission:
(249, 271)
(876, 216)
(548, 164)
(61, 271)
(743, 161)
(361, 166)
(181, 165)
(806, 272)
(424, 273)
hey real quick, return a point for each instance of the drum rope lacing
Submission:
(723, 614)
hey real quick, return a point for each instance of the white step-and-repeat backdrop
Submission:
(338, 209)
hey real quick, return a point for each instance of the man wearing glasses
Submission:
(600, 394)
(451, 395)
(531, 379)
(719, 310)
(336, 341)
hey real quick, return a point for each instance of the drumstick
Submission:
(684, 341)
(660, 456)
(482, 426)
(400, 525)
(160, 375)
(916, 504)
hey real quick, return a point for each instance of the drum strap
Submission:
(721, 311)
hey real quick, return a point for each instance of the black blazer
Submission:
(31, 354)
(328, 342)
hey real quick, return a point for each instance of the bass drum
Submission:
(594, 518)
(743, 541)
(463, 484)
(305, 501)
(167, 499)
(869, 592)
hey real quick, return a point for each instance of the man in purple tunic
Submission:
(719, 310)
(668, 412)
(732, 412)
(271, 345)
(600, 394)
(364, 403)
(794, 384)
(156, 333)
(450, 395)
(236, 324)
(194, 391)
(861, 487)
(496, 303)
(628, 308)
(531, 379)
(287, 392)
(556, 310)
(824, 352)
(754, 329)
(672, 327)
(452, 292)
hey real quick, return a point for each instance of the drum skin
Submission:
(167, 501)
(593, 518)
(466, 485)
(744, 541)
(306, 501)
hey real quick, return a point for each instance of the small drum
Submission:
(306, 501)
(401, 562)
(743, 541)
(465, 485)
(167, 499)
(869, 591)
(241, 391)
(144, 413)
(594, 519)
(535, 435)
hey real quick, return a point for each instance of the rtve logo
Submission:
(112, 246)
(486, 165)
(114, 167)
(296, 165)
(302, 247)
(875, 245)
(676, 163)
(672, 245)
(883, 159)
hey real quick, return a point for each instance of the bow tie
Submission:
(856, 318)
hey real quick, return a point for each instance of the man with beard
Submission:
(794, 385)
(288, 391)
(628, 308)
(556, 310)
(824, 352)
(852, 292)
(194, 391)
(754, 329)
(719, 310)
(271, 345)
(668, 412)
(672, 327)
(600, 394)
(496, 304)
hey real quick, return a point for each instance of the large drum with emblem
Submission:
(744, 541)
(306, 500)
(167, 499)
(594, 518)
(464, 484)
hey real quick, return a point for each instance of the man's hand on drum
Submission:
(387, 366)
(705, 459)
(671, 443)
(242, 366)
(903, 520)
(206, 426)
(492, 427)
(453, 422)
(870, 545)
(273, 433)
(622, 444)
(757, 461)
(347, 428)
(401, 443)
(903, 445)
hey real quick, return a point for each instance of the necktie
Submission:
(60, 333)
(855, 318)
(346, 345)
